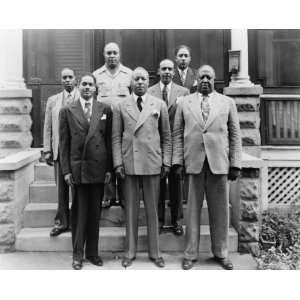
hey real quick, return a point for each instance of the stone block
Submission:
(15, 123)
(250, 137)
(254, 90)
(249, 232)
(6, 191)
(250, 173)
(15, 106)
(249, 120)
(249, 189)
(19, 140)
(249, 211)
(252, 248)
(7, 234)
(6, 212)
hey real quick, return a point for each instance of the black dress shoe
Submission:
(127, 262)
(77, 264)
(187, 264)
(95, 260)
(225, 263)
(159, 262)
(57, 230)
(177, 229)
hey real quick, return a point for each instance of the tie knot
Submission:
(87, 104)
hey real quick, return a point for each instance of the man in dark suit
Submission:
(184, 75)
(51, 138)
(142, 153)
(86, 162)
(207, 144)
(169, 91)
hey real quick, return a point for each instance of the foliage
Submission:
(280, 240)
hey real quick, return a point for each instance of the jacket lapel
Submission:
(132, 109)
(194, 106)
(173, 93)
(215, 106)
(157, 91)
(146, 111)
(58, 103)
(77, 111)
(97, 111)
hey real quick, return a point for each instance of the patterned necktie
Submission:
(139, 103)
(165, 94)
(69, 99)
(182, 77)
(87, 111)
(205, 108)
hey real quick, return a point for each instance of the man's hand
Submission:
(234, 173)
(69, 179)
(107, 178)
(49, 158)
(120, 172)
(179, 171)
(165, 170)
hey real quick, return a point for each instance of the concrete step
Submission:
(42, 215)
(43, 192)
(112, 239)
(43, 172)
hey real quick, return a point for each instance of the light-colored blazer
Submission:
(219, 138)
(51, 124)
(176, 91)
(141, 140)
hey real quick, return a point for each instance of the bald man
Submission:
(169, 91)
(142, 155)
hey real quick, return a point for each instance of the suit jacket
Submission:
(189, 80)
(141, 140)
(51, 124)
(85, 148)
(176, 91)
(219, 138)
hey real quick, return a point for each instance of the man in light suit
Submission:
(142, 154)
(113, 83)
(207, 142)
(86, 163)
(184, 75)
(51, 146)
(169, 91)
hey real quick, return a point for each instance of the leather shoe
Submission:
(95, 260)
(177, 229)
(159, 262)
(57, 230)
(127, 262)
(77, 264)
(187, 264)
(225, 263)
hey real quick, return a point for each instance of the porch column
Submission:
(239, 41)
(15, 104)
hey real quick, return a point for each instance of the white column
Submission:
(11, 59)
(239, 41)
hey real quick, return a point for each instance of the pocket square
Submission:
(103, 117)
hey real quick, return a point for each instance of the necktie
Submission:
(205, 108)
(165, 94)
(87, 111)
(182, 76)
(69, 98)
(139, 103)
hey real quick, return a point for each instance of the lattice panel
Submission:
(284, 186)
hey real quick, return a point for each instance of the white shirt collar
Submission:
(143, 98)
(66, 94)
(184, 71)
(168, 86)
(82, 102)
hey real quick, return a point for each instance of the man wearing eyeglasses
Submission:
(113, 84)
(51, 146)
(184, 75)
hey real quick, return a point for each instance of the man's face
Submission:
(140, 82)
(112, 56)
(87, 87)
(166, 71)
(68, 80)
(206, 81)
(183, 58)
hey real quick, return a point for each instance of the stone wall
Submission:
(16, 173)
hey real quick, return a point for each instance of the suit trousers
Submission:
(174, 197)
(62, 215)
(131, 189)
(216, 190)
(86, 211)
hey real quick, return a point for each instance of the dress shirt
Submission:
(143, 98)
(183, 72)
(116, 84)
(169, 86)
(68, 97)
(82, 102)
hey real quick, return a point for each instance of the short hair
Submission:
(183, 46)
(206, 67)
(69, 69)
(90, 75)
(140, 69)
(166, 59)
(111, 43)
